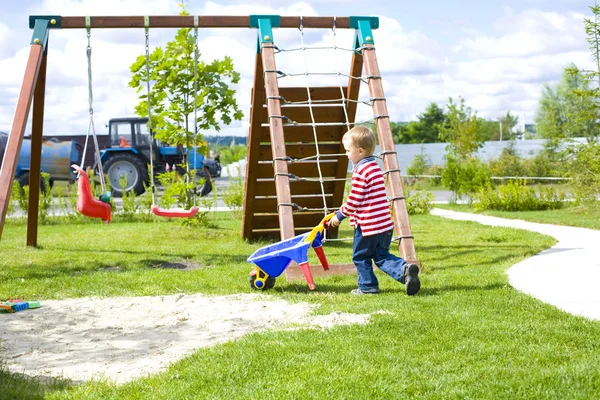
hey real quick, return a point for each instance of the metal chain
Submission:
(91, 126)
(196, 55)
(147, 33)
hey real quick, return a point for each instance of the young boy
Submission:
(369, 213)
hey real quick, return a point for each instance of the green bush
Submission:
(509, 163)
(419, 201)
(584, 169)
(466, 176)
(232, 153)
(517, 196)
(420, 165)
(234, 194)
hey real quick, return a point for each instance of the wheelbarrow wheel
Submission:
(268, 284)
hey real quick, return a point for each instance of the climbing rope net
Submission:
(342, 101)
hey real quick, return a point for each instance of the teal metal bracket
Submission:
(40, 25)
(55, 21)
(265, 25)
(363, 30)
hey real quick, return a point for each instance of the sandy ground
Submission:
(124, 338)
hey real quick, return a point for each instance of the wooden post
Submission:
(15, 139)
(390, 161)
(35, 160)
(282, 180)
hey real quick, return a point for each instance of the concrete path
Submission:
(566, 275)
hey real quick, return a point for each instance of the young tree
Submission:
(173, 92)
(565, 111)
(462, 129)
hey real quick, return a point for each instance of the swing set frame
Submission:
(265, 91)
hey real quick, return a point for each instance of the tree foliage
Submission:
(462, 130)
(425, 130)
(173, 93)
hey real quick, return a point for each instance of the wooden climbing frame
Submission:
(270, 191)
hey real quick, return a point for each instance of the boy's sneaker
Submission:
(361, 292)
(412, 279)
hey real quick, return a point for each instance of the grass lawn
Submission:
(467, 334)
(580, 216)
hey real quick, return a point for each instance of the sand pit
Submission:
(123, 338)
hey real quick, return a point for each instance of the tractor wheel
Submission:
(120, 165)
(23, 180)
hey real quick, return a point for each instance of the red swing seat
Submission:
(86, 204)
(174, 213)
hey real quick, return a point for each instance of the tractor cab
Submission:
(128, 154)
(130, 133)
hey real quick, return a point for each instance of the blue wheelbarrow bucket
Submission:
(273, 259)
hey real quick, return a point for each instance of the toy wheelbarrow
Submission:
(272, 260)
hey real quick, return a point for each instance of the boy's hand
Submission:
(334, 222)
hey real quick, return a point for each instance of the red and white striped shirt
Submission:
(367, 204)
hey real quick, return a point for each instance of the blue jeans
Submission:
(376, 248)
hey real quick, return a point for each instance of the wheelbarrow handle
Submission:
(319, 228)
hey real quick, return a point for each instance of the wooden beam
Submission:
(306, 134)
(282, 181)
(269, 204)
(333, 94)
(308, 219)
(35, 160)
(266, 187)
(15, 139)
(298, 151)
(305, 169)
(320, 113)
(390, 160)
(204, 21)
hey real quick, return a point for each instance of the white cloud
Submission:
(500, 70)
(530, 33)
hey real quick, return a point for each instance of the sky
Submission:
(496, 54)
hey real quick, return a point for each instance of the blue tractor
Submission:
(128, 154)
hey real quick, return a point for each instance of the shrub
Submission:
(419, 201)
(584, 169)
(420, 165)
(517, 196)
(509, 163)
(234, 194)
(466, 176)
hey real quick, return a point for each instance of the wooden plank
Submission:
(390, 161)
(250, 192)
(320, 93)
(282, 181)
(273, 234)
(304, 169)
(305, 134)
(308, 219)
(269, 204)
(267, 187)
(204, 21)
(302, 114)
(297, 151)
(15, 139)
(35, 161)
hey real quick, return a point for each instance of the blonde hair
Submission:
(361, 137)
